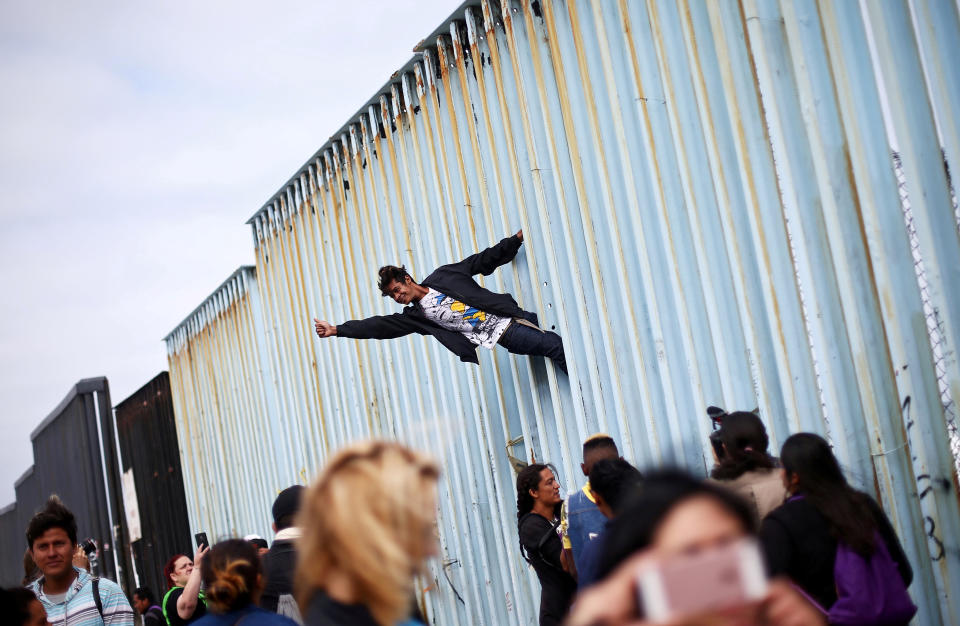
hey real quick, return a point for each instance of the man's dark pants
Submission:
(523, 339)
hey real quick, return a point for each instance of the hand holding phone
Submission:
(614, 600)
(713, 580)
(203, 546)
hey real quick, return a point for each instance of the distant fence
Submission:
(711, 215)
(69, 461)
(153, 490)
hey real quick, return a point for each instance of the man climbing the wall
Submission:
(458, 312)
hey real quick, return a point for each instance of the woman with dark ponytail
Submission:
(233, 578)
(827, 534)
(743, 464)
(538, 512)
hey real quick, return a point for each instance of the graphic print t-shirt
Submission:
(481, 328)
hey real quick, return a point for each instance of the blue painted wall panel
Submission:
(711, 215)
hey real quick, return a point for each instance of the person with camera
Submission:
(184, 603)
(70, 595)
(742, 463)
(81, 556)
(538, 517)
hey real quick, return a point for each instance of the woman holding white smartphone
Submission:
(683, 553)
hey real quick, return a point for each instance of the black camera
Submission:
(89, 546)
(716, 415)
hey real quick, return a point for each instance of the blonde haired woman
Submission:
(368, 526)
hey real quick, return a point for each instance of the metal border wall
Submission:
(75, 458)
(150, 452)
(711, 215)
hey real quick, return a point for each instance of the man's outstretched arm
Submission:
(485, 261)
(376, 327)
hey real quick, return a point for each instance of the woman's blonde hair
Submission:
(232, 575)
(370, 517)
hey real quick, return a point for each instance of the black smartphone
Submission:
(201, 539)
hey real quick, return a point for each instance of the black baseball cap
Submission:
(288, 502)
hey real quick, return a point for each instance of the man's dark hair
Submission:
(53, 515)
(15, 604)
(286, 506)
(615, 481)
(390, 273)
(145, 593)
(599, 442)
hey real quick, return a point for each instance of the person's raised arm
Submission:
(187, 602)
(485, 261)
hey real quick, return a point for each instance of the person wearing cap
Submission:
(280, 561)
(581, 520)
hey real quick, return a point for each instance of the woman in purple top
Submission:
(800, 538)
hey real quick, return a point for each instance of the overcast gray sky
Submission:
(136, 138)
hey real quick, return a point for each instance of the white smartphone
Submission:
(728, 576)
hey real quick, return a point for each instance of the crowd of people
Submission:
(346, 550)
(764, 540)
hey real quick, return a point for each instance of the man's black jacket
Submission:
(456, 281)
(279, 564)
